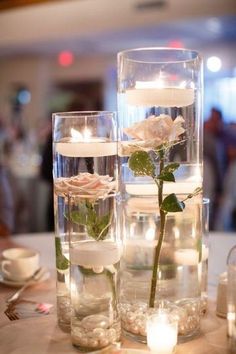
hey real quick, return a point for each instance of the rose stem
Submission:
(161, 236)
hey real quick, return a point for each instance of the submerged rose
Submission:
(85, 185)
(151, 133)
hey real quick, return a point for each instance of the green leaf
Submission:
(78, 217)
(160, 149)
(62, 262)
(172, 204)
(141, 164)
(91, 214)
(172, 167)
(103, 223)
(97, 226)
(167, 176)
(167, 172)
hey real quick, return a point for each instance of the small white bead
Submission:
(83, 342)
(143, 331)
(98, 269)
(99, 333)
(93, 343)
(134, 329)
(87, 266)
(103, 342)
(111, 334)
(130, 317)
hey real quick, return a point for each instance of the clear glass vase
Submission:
(179, 273)
(160, 119)
(205, 254)
(162, 81)
(85, 172)
(94, 269)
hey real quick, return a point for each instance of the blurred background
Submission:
(61, 55)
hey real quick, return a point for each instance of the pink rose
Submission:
(152, 132)
(85, 185)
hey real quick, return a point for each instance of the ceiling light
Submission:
(24, 96)
(214, 64)
(176, 44)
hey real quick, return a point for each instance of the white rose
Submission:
(85, 185)
(152, 132)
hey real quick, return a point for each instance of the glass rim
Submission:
(76, 114)
(206, 200)
(164, 316)
(125, 53)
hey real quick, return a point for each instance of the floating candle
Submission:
(95, 254)
(205, 252)
(95, 147)
(160, 97)
(151, 188)
(187, 256)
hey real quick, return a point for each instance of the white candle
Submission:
(94, 147)
(160, 97)
(151, 188)
(95, 254)
(205, 252)
(187, 256)
(162, 333)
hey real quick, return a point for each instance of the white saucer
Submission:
(18, 284)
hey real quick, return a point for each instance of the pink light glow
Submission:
(65, 58)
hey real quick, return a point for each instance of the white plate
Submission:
(18, 284)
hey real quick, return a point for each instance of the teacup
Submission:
(19, 264)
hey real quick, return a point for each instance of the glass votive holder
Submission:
(162, 330)
(231, 296)
(221, 298)
(205, 254)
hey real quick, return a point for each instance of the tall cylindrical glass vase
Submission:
(160, 117)
(85, 172)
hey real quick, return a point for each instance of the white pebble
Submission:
(134, 329)
(111, 334)
(87, 266)
(99, 333)
(92, 343)
(103, 342)
(83, 342)
(130, 317)
(139, 307)
(143, 331)
(77, 333)
(98, 269)
(126, 326)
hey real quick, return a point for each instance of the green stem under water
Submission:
(160, 239)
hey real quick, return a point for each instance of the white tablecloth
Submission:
(42, 335)
(219, 243)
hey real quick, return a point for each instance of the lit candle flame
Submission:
(77, 136)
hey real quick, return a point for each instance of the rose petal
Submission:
(152, 132)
